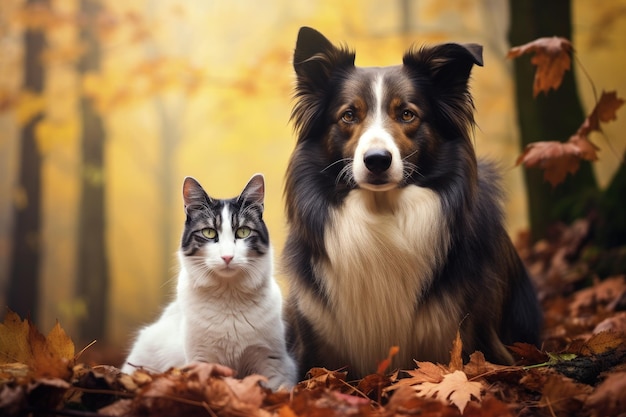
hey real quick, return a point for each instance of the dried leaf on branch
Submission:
(552, 59)
(557, 159)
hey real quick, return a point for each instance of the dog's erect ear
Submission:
(448, 65)
(315, 58)
(448, 68)
(310, 43)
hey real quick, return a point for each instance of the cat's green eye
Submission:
(242, 232)
(209, 233)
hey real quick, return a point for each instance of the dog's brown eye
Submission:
(348, 116)
(407, 116)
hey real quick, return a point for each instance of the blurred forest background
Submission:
(105, 106)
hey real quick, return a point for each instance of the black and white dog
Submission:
(395, 230)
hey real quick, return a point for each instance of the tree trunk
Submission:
(24, 273)
(93, 268)
(552, 116)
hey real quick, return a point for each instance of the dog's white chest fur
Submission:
(382, 250)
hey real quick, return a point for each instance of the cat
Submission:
(228, 307)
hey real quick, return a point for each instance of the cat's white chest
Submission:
(219, 327)
(217, 336)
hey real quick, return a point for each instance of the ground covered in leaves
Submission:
(580, 369)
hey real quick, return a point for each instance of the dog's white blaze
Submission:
(376, 136)
(382, 250)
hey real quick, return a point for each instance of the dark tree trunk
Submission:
(553, 116)
(93, 268)
(24, 273)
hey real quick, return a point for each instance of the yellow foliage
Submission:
(51, 134)
(28, 106)
(109, 90)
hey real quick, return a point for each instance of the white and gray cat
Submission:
(228, 307)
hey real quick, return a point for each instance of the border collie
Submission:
(395, 229)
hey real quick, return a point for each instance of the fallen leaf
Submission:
(552, 59)
(323, 378)
(374, 383)
(563, 395)
(453, 389)
(200, 387)
(527, 354)
(489, 406)
(478, 366)
(598, 343)
(46, 357)
(602, 294)
(456, 358)
(406, 402)
(385, 363)
(14, 345)
(425, 372)
(616, 323)
(608, 399)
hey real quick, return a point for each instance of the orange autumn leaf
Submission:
(385, 363)
(14, 346)
(552, 59)
(604, 111)
(456, 358)
(557, 159)
(48, 356)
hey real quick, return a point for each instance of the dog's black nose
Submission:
(377, 160)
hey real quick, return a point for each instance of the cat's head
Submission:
(225, 239)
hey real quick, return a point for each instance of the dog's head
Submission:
(389, 126)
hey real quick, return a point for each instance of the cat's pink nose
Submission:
(227, 259)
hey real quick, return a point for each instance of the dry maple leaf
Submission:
(604, 111)
(552, 59)
(424, 372)
(323, 378)
(453, 389)
(557, 159)
(46, 356)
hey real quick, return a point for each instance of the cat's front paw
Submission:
(279, 368)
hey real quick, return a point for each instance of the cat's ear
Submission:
(254, 191)
(194, 196)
